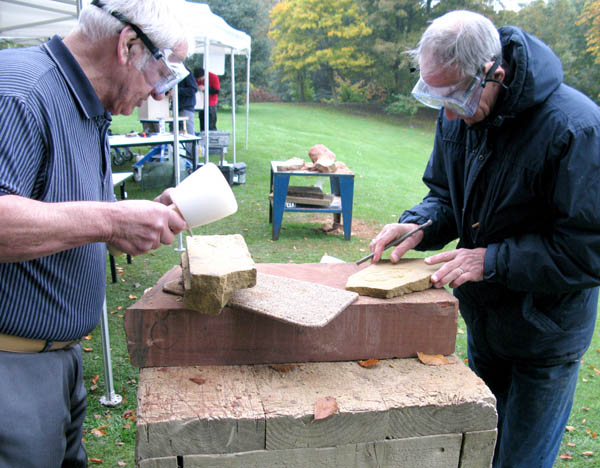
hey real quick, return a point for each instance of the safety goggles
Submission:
(160, 73)
(462, 98)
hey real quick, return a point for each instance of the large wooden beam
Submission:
(162, 332)
(398, 411)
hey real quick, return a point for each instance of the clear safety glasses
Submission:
(163, 74)
(462, 99)
(160, 73)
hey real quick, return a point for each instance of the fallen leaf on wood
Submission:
(198, 380)
(325, 407)
(368, 363)
(283, 367)
(432, 359)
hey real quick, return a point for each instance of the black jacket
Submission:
(525, 184)
(186, 95)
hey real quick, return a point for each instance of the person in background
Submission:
(514, 175)
(58, 211)
(214, 86)
(186, 94)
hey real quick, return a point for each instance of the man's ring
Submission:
(462, 272)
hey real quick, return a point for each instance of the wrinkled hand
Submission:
(138, 226)
(165, 197)
(462, 265)
(391, 232)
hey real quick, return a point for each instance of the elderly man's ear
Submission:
(129, 47)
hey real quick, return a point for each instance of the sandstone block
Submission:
(386, 279)
(213, 268)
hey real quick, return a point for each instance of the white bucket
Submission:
(204, 196)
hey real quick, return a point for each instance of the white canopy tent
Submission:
(34, 21)
(213, 37)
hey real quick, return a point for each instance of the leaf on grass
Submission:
(565, 456)
(129, 414)
(132, 296)
(95, 379)
(570, 428)
(587, 453)
(87, 350)
(325, 407)
(99, 431)
(198, 380)
(284, 367)
(121, 463)
(87, 338)
(368, 363)
(99, 461)
(432, 359)
(571, 444)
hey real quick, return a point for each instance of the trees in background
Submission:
(317, 35)
(354, 50)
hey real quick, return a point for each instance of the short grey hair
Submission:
(460, 40)
(160, 20)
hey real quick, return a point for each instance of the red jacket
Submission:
(213, 85)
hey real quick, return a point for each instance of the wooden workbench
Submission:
(161, 332)
(400, 413)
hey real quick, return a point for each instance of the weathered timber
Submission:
(424, 452)
(192, 412)
(162, 332)
(385, 279)
(476, 449)
(213, 267)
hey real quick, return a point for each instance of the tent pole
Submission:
(233, 104)
(206, 86)
(247, 95)
(175, 129)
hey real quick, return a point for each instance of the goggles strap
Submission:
(157, 54)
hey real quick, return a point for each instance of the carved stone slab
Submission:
(213, 267)
(293, 301)
(386, 279)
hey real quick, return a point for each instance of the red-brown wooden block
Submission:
(161, 332)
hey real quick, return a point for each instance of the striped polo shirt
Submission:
(53, 148)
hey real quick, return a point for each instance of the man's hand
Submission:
(391, 232)
(462, 265)
(138, 226)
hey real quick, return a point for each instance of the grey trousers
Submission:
(42, 408)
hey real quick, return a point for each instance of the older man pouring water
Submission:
(55, 180)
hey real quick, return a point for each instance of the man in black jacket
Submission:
(514, 175)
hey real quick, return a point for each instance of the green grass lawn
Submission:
(387, 155)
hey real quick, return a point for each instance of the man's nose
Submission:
(156, 96)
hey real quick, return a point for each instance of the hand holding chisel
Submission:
(397, 241)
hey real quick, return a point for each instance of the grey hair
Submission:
(461, 40)
(160, 20)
